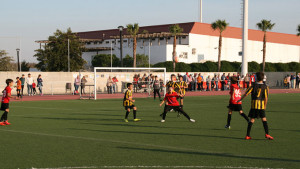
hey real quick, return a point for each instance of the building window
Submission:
(200, 57)
(95, 43)
(107, 42)
(124, 41)
(194, 51)
(184, 55)
(88, 43)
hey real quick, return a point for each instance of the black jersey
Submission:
(175, 85)
(127, 96)
(259, 93)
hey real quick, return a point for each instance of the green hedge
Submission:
(229, 67)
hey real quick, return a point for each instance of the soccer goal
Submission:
(113, 80)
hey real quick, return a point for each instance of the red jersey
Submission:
(33, 85)
(235, 94)
(172, 99)
(5, 98)
(252, 78)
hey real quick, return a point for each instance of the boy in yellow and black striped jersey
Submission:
(128, 103)
(183, 86)
(172, 83)
(259, 99)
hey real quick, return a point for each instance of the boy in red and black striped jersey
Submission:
(234, 105)
(5, 102)
(259, 99)
(172, 103)
(128, 103)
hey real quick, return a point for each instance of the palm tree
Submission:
(133, 30)
(265, 25)
(175, 30)
(298, 34)
(221, 25)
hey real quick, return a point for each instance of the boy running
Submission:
(128, 103)
(5, 102)
(259, 99)
(172, 103)
(235, 95)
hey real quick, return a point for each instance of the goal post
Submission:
(128, 68)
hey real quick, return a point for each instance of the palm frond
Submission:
(219, 24)
(298, 34)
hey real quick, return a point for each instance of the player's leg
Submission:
(244, 115)
(266, 127)
(154, 93)
(252, 120)
(134, 114)
(126, 114)
(158, 94)
(227, 126)
(164, 114)
(185, 114)
(4, 117)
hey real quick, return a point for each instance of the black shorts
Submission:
(175, 108)
(4, 106)
(256, 113)
(129, 107)
(235, 107)
(181, 97)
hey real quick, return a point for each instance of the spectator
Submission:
(109, 85)
(40, 84)
(22, 83)
(252, 79)
(297, 81)
(135, 82)
(156, 88)
(191, 82)
(228, 82)
(33, 88)
(247, 80)
(285, 82)
(213, 83)
(293, 78)
(288, 81)
(242, 80)
(217, 79)
(83, 82)
(115, 80)
(208, 81)
(18, 88)
(265, 79)
(76, 84)
(223, 83)
(185, 77)
(200, 82)
(29, 82)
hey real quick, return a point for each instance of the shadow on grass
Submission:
(209, 154)
(158, 133)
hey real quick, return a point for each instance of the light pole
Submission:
(245, 39)
(121, 28)
(18, 57)
(68, 55)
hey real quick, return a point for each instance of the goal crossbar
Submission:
(123, 68)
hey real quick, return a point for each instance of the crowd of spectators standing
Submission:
(291, 81)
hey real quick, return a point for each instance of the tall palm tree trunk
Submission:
(264, 52)
(134, 52)
(219, 55)
(174, 53)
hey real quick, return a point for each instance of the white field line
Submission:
(158, 166)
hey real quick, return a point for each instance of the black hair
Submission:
(173, 75)
(260, 76)
(233, 79)
(128, 84)
(8, 81)
(180, 76)
(17, 78)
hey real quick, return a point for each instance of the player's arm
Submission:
(163, 101)
(266, 97)
(248, 91)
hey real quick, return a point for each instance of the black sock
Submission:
(228, 119)
(126, 116)
(249, 128)
(181, 106)
(134, 114)
(265, 123)
(4, 116)
(245, 117)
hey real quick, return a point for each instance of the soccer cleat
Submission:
(2, 124)
(136, 120)
(161, 115)
(227, 127)
(126, 121)
(162, 121)
(269, 137)
(171, 110)
(192, 120)
(248, 138)
(6, 123)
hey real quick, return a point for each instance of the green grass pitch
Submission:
(86, 133)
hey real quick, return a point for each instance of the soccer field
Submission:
(92, 134)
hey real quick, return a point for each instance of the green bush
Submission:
(270, 67)
(253, 67)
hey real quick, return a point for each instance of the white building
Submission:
(199, 45)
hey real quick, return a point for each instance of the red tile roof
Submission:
(202, 29)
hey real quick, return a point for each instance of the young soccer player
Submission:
(183, 86)
(19, 87)
(128, 103)
(259, 99)
(5, 102)
(235, 95)
(156, 88)
(172, 83)
(34, 88)
(172, 103)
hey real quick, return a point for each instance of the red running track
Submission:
(139, 95)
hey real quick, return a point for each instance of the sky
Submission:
(24, 22)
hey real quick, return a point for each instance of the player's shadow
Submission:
(286, 130)
(138, 126)
(209, 154)
(157, 133)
